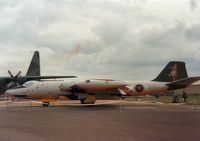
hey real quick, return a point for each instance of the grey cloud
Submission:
(163, 36)
(193, 4)
(155, 48)
(111, 33)
(116, 39)
(193, 33)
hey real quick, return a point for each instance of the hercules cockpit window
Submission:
(27, 84)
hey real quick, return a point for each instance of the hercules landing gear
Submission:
(82, 101)
(47, 100)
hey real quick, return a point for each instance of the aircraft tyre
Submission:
(45, 104)
(83, 102)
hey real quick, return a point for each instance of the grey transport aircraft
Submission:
(174, 76)
(33, 73)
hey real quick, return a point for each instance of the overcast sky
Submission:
(119, 39)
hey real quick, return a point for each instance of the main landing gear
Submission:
(84, 102)
(45, 104)
(90, 99)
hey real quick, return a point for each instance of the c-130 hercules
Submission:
(33, 73)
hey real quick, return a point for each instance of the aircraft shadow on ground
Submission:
(90, 107)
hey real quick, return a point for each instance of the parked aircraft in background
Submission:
(33, 73)
(173, 76)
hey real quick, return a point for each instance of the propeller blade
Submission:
(11, 75)
(17, 75)
(14, 79)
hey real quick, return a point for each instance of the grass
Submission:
(191, 99)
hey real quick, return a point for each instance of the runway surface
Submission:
(128, 122)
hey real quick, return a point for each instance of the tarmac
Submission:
(125, 121)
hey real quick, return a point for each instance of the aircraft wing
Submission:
(28, 78)
(42, 77)
(94, 85)
(182, 83)
(47, 77)
(99, 85)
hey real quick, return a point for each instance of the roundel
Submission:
(139, 88)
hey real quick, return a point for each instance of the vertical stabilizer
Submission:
(173, 71)
(34, 67)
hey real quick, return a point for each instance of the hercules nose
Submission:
(8, 93)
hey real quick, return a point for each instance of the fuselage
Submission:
(54, 89)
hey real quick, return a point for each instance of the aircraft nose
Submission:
(7, 93)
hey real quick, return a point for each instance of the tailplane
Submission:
(174, 70)
(34, 67)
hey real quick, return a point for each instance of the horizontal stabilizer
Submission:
(182, 83)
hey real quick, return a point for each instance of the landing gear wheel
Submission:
(45, 104)
(82, 101)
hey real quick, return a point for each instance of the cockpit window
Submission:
(27, 84)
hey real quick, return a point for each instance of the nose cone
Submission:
(17, 93)
(8, 92)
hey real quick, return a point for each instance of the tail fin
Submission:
(34, 67)
(174, 70)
